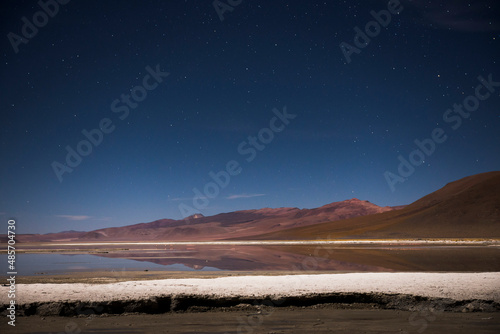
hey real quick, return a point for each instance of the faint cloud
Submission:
(74, 218)
(83, 217)
(244, 196)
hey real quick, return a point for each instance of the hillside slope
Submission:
(467, 208)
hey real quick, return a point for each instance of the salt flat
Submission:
(457, 286)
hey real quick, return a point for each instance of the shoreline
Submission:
(105, 277)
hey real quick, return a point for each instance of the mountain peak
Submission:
(195, 216)
(352, 201)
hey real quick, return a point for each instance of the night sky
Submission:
(277, 100)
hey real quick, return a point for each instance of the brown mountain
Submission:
(59, 236)
(238, 224)
(467, 208)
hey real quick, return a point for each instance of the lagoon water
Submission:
(38, 264)
(263, 258)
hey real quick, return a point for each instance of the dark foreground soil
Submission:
(324, 319)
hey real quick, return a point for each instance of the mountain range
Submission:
(467, 208)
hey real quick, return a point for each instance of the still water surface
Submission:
(268, 258)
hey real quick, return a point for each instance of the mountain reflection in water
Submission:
(283, 258)
(320, 258)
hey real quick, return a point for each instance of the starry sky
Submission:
(238, 105)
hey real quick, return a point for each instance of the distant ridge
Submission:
(238, 224)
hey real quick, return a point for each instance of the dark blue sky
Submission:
(350, 119)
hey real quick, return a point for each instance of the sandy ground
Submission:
(276, 321)
(457, 286)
